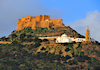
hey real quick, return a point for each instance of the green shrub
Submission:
(79, 47)
(10, 63)
(43, 48)
(95, 51)
(37, 44)
(45, 40)
(15, 42)
(67, 49)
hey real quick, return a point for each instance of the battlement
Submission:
(42, 17)
(38, 21)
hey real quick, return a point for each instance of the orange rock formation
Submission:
(38, 21)
(87, 37)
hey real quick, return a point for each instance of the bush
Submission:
(67, 57)
(37, 44)
(63, 58)
(22, 61)
(29, 40)
(70, 62)
(95, 51)
(10, 63)
(74, 68)
(60, 52)
(43, 48)
(57, 57)
(40, 30)
(15, 42)
(80, 59)
(46, 68)
(22, 37)
(13, 36)
(45, 40)
(79, 46)
(3, 38)
(67, 49)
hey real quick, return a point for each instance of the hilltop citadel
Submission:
(38, 21)
(45, 21)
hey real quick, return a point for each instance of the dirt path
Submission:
(4, 42)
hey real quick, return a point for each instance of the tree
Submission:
(63, 58)
(13, 31)
(45, 40)
(67, 49)
(3, 38)
(37, 44)
(43, 48)
(6, 39)
(29, 36)
(22, 37)
(13, 36)
(15, 42)
(28, 29)
(60, 52)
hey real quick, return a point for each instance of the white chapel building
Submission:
(63, 39)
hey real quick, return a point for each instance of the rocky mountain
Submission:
(28, 52)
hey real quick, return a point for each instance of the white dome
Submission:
(64, 35)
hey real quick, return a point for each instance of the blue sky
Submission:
(72, 9)
(75, 13)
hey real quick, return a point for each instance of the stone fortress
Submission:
(45, 21)
(38, 21)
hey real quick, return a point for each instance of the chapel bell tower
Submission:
(87, 37)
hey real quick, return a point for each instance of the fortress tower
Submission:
(38, 21)
(87, 37)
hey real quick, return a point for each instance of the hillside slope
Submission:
(28, 52)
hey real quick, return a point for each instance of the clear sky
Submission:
(75, 13)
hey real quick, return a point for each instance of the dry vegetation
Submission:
(28, 52)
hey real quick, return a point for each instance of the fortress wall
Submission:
(56, 21)
(50, 23)
(29, 24)
(38, 24)
(38, 17)
(44, 17)
(23, 18)
(44, 24)
(19, 20)
(26, 24)
(17, 25)
(20, 26)
(27, 19)
(33, 19)
(38, 21)
(33, 24)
